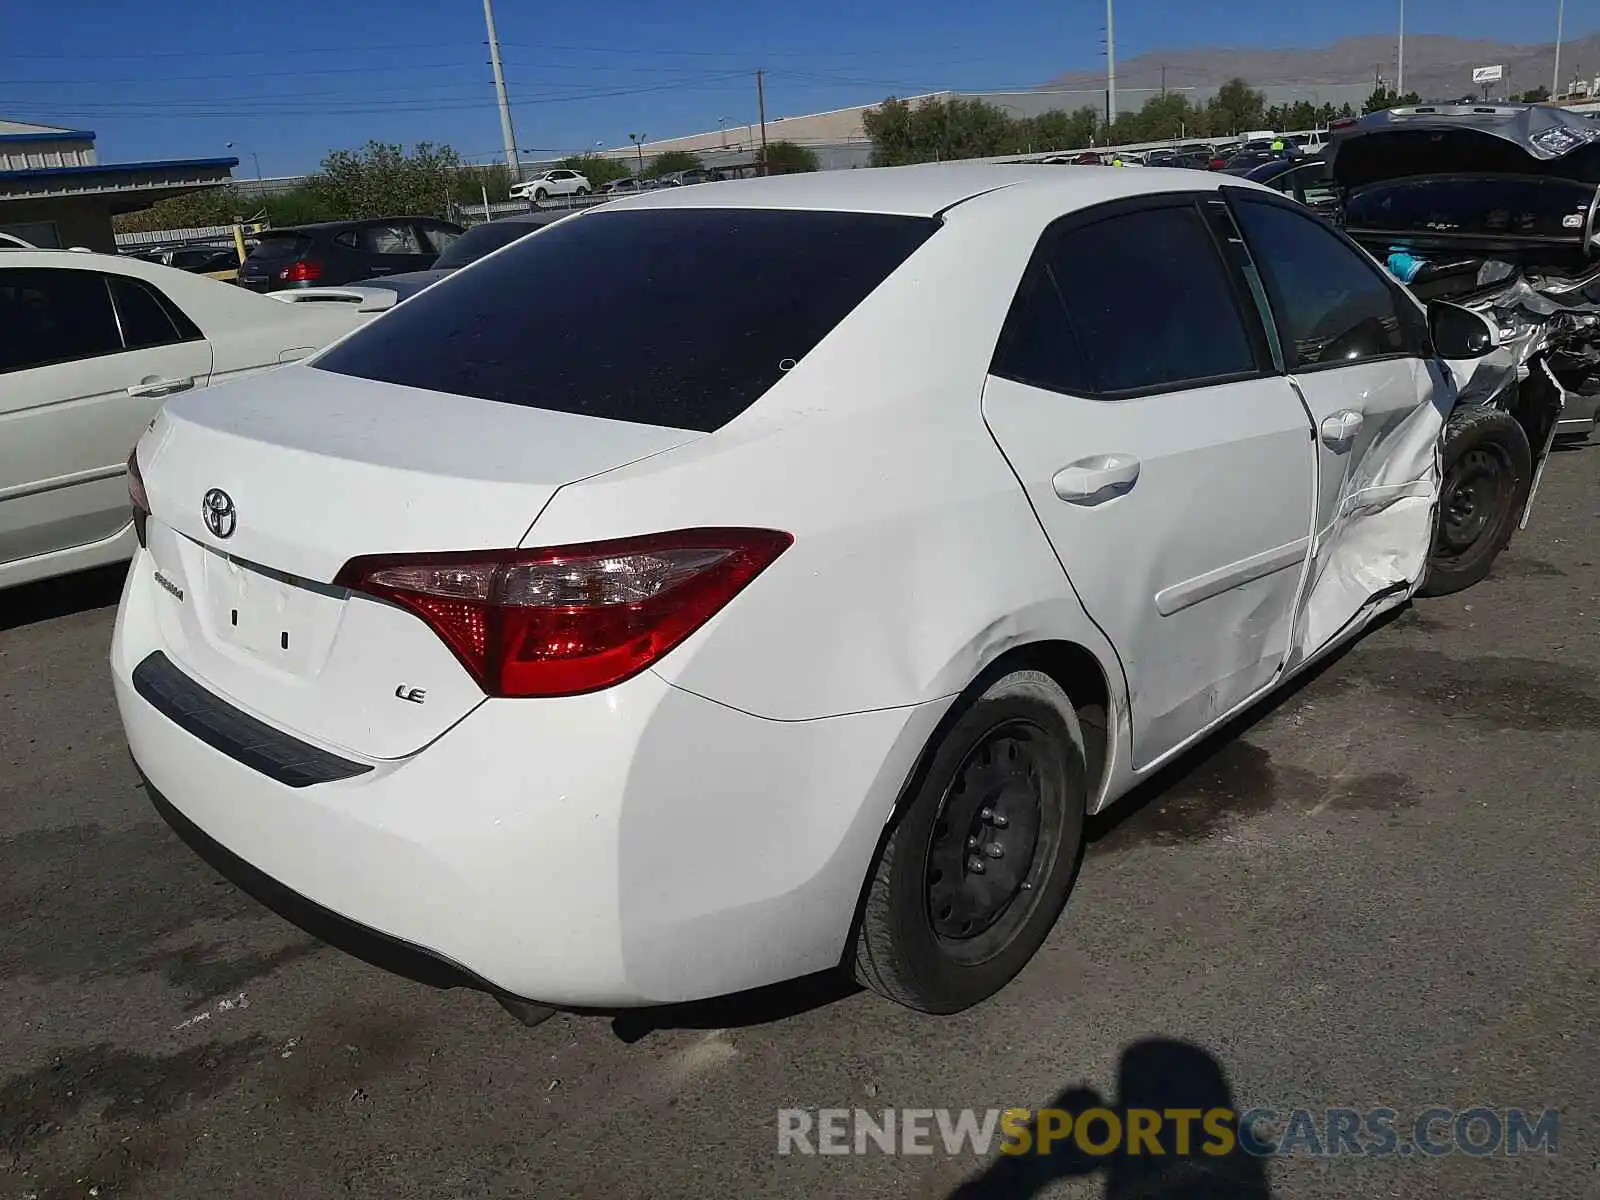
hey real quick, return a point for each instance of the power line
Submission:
(209, 52)
(179, 110)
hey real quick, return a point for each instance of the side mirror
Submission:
(1459, 332)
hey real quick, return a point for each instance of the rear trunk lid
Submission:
(260, 491)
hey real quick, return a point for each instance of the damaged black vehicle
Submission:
(1492, 207)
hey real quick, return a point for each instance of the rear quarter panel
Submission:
(917, 558)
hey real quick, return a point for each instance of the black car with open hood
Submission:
(1508, 182)
(1497, 207)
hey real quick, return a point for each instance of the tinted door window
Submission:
(674, 317)
(51, 316)
(1037, 346)
(1332, 306)
(145, 320)
(1147, 305)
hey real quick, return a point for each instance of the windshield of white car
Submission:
(672, 317)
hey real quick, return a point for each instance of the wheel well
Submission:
(1080, 675)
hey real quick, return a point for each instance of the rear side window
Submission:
(1332, 306)
(440, 237)
(390, 239)
(147, 318)
(50, 316)
(1140, 302)
(281, 246)
(673, 317)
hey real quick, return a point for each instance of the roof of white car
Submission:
(924, 190)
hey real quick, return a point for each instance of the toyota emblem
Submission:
(218, 511)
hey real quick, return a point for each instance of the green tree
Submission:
(940, 130)
(670, 162)
(470, 184)
(383, 180)
(787, 158)
(1235, 108)
(1383, 97)
(596, 169)
(1537, 95)
(297, 206)
(1169, 116)
(1058, 130)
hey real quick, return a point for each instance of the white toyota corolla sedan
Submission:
(744, 581)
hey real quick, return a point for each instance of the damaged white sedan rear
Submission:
(749, 580)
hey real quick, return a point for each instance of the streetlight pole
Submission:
(253, 158)
(1111, 65)
(512, 161)
(1555, 76)
(1400, 65)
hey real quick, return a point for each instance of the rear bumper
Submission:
(636, 846)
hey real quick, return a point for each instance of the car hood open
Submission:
(1456, 139)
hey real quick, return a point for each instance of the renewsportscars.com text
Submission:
(1259, 1132)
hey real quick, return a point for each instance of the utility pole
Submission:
(1400, 65)
(512, 161)
(1111, 66)
(638, 145)
(761, 105)
(1163, 81)
(1555, 76)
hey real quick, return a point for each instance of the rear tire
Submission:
(1488, 468)
(583, 191)
(979, 864)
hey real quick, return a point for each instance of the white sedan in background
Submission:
(552, 183)
(91, 345)
(728, 584)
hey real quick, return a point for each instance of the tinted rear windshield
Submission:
(481, 240)
(674, 317)
(283, 245)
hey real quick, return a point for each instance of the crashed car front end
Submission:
(1496, 208)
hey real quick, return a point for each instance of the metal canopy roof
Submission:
(112, 179)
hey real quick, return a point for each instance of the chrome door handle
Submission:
(1096, 479)
(1338, 428)
(161, 387)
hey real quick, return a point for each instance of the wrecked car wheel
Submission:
(1487, 469)
(979, 865)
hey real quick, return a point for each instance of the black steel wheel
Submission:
(983, 855)
(1487, 470)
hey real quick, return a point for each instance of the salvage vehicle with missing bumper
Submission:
(1493, 207)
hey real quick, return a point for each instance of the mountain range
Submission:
(1437, 66)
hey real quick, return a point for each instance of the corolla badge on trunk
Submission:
(218, 511)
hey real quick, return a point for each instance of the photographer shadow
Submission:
(1155, 1074)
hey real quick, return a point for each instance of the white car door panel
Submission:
(1193, 569)
(1356, 347)
(67, 427)
(1171, 469)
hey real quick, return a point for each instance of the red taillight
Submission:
(1217, 164)
(138, 497)
(1341, 123)
(570, 619)
(303, 271)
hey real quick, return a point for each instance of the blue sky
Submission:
(182, 78)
